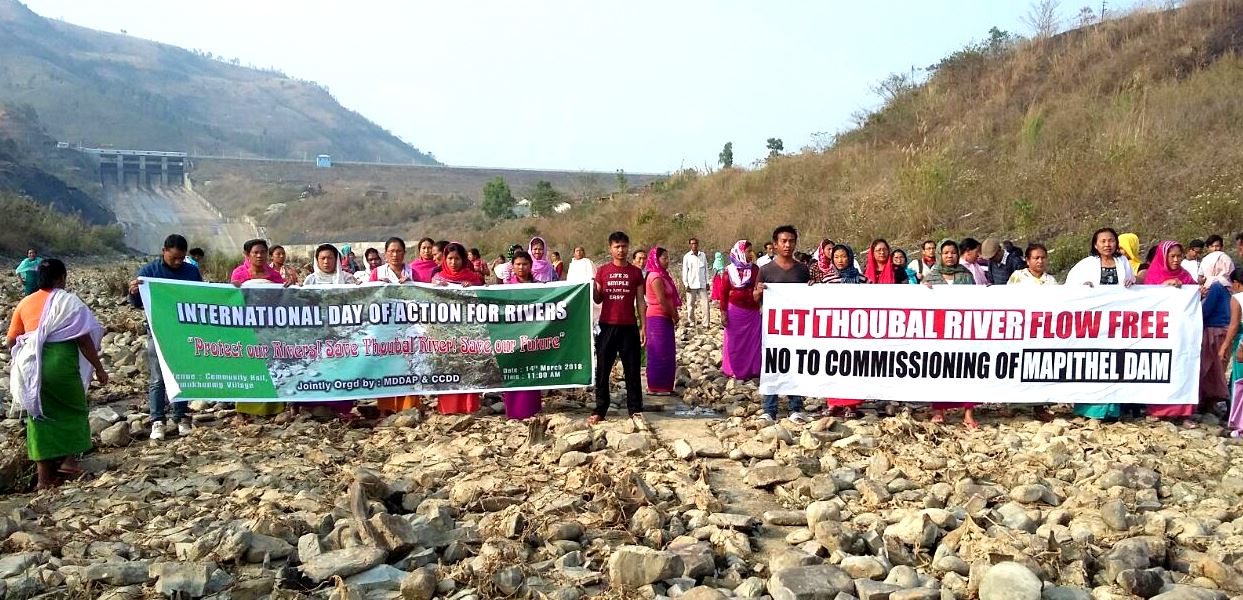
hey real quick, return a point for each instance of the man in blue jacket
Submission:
(172, 264)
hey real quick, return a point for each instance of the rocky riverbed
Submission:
(705, 502)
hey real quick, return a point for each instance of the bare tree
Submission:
(1087, 17)
(1042, 18)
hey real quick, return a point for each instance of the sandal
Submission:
(938, 418)
(971, 424)
(594, 420)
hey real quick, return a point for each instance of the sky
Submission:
(641, 85)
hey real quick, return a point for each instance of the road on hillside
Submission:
(148, 215)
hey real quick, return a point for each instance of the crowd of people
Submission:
(637, 309)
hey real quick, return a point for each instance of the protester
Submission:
(879, 266)
(373, 260)
(782, 269)
(949, 271)
(476, 262)
(455, 270)
(1214, 243)
(255, 265)
(438, 251)
(821, 263)
(695, 285)
(1000, 265)
(1216, 268)
(662, 302)
(526, 403)
(195, 257)
(1167, 269)
(1128, 244)
(558, 266)
(345, 254)
(1167, 266)
(1101, 266)
(395, 270)
(54, 341)
(1195, 250)
(26, 272)
(583, 270)
(619, 290)
(639, 259)
(742, 343)
(927, 259)
(171, 265)
(768, 255)
(969, 257)
(900, 262)
(288, 272)
(1238, 245)
(541, 268)
(424, 262)
(1235, 333)
(842, 270)
(328, 271)
(1034, 273)
(505, 268)
(718, 269)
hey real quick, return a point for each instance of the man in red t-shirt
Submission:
(619, 292)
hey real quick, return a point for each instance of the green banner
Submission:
(297, 344)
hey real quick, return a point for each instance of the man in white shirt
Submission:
(768, 255)
(695, 284)
(1194, 252)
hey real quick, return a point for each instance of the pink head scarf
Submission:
(740, 270)
(541, 269)
(1216, 268)
(653, 267)
(1159, 271)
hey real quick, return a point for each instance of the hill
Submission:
(1135, 123)
(104, 89)
(31, 165)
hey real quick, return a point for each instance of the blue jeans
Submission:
(770, 405)
(157, 397)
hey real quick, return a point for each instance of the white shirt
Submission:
(1193, 267)
(695, 270)
(763, 260)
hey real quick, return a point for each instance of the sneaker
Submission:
(184, 427)
(767, 418)
(157, 430)
(799, 418)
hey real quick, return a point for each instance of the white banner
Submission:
(1045, 344)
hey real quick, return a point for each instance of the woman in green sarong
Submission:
(54, 340)
(26, 272)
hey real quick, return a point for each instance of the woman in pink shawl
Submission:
(255, 266)
(425, 264)
(541, 269)
(526, 403)
(743, 342)
(1167, 269)
(663, 301)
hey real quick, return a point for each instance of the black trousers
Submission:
(611, 342)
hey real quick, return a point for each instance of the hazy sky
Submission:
(639, 85)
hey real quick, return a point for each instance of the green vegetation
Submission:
(775, 146)
(543, 198)
(498, 200)
(726, 159)
(1134, 123)
(52, 232)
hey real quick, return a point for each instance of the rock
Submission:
(1009, 581)
(118, 573)
(863, 567)
(822, 511)
(418, 585)
(379, 577)
(916, 531)
(646, 518)
(1028, 493)
(817, 582)
(116, 435)
(732, 521)
(342, 563)
(916, 594)
(1113, 513)
(867, 589)
(1188, 592)
(508, 580)
(573, 458)
(703, 593)
(17, 563)
(261, 547)
(785, 518)
(1015, 516)
(873, 493)
(790, 558)
(393, 533)
(1132, 553)
(708, 448)
(683, 450)
(632, 567)
(768, 473)
(698, 560)
(1063, 592)
(1144, 583)
(563, 530)
(952, 564)
(181, 578)
(752, 587)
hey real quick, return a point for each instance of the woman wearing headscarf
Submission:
(842, 270)
(716, 294)
(425, 263)
(526, 403)
(743, 344)
(900, 261)
(26, 272)
(541, 268)
(455, 270)
(344, 255)
(54, 340)
(821, 261)
(879, 267)
(1216, 300)
(949, 272)
(328, 271)
(1235, 420)
(1128, 244)
(1166, 268)
(663, 301)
